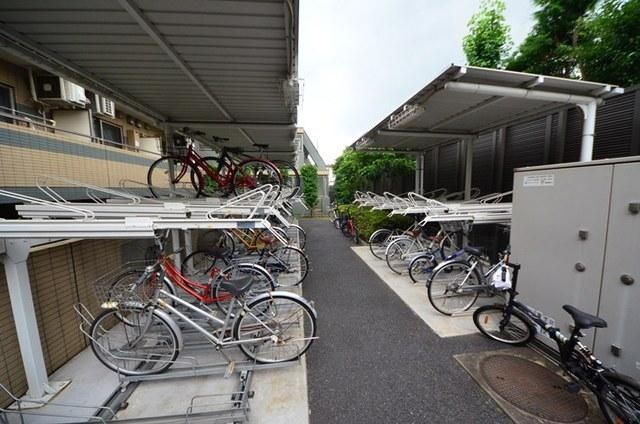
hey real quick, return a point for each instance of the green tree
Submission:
(309, 175)
(609, 43)
(488, 42)
(359, 170)
(549, 48)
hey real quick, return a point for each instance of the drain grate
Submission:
(533, 388)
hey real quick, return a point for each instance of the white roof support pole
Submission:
(468, 168)
(175, 243)
(588, 130)
(24, 316)
(419, 186)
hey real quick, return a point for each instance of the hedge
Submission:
(367, 221)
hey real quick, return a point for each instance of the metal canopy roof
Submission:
(216, 66)
(464, 101)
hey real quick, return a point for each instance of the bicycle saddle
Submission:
(475, 251)
(261, 146)
(236, 150)
(238, 285)
(218, 252)
(584, 320)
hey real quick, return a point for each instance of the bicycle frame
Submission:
(193, 158)
(199, 291)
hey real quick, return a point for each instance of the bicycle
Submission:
(515, 323)
(421, 267)
(136, 334)
(285, 261)
(455, 285)
(211, 176)
(402, 249)
(349, 230)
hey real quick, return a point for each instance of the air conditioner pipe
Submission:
(587, 104)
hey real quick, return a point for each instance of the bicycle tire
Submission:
(159, 174)
(301, 234)
(139, 359)
(517, 332)
(291, 182)
(395, 255)
(421, 267)
(265, 283)
(253, 173)
(289, 261)
(378, 242)
(277, 319)
(621, 405)
(458, 301)
(197, 265)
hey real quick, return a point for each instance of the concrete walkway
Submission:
(376, 361)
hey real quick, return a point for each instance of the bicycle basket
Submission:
(120, 288)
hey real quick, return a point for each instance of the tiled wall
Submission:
(60, 277)
(28, 153)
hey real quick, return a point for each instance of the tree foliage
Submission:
(488, 42)
(309, 175)
(359, 170)
(549, 48)
(609, 43)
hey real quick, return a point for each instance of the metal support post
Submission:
(24, 316)
(175, 243)
(588, 130)
(419, 186)
(468, 170)
(188, 243)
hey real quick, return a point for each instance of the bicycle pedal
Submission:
(572, 387)
(230, 368)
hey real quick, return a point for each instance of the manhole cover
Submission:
(533, 388)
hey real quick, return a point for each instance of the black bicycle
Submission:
(515, 323)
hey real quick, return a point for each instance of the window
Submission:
(107, 131)
(7, 103)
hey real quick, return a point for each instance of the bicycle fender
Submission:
(445, 263)
(174, 326)
(283, 294)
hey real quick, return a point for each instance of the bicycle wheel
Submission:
(492, 322)
(282, 326)
(421, 267)
(198, 266)
(212, 187)
(290, 178)
(174, 171)
(620, 399)
(289, 264)
(254, 173)
(300, 234)
(448, 288)
(263, 282)
(147, 341)
(378, 242)
(396, 255)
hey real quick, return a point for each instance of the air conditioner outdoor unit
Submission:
(104, 106)
(53, 89)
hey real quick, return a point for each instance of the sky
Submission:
(361, 59)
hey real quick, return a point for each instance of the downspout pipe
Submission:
(587, 104)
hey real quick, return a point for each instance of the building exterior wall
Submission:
(555, 138)
(60, 277)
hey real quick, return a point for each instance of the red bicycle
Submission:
(219, 176)
(204, 287)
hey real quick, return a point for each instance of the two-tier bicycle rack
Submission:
(121, 214)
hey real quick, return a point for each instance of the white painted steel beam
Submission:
(424, 134)
(234, 125)
(24, 316)
(586, 103)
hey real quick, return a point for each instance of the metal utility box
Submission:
(576, 232)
